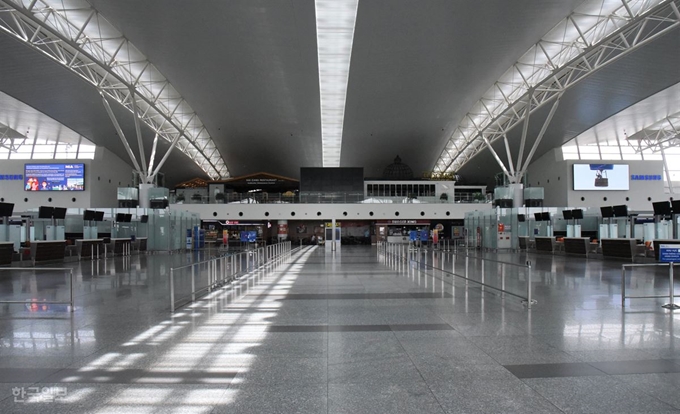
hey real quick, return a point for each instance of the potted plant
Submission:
(180, 199)
(219, 197)
(196, 197)
(479, 197)
(444, 197)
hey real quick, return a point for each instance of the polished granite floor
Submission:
(351, 331)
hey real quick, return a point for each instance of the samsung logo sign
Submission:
(653, 177)
(12, 177)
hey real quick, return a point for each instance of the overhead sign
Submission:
(261, 181)
(669, 253)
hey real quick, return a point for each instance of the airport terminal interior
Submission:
(339, 206)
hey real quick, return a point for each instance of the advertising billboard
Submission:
(54, 177)
(601, 177)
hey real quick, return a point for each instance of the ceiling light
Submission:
(335, 21)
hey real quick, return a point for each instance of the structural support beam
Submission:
(75, 35)
(138, 131)
(541, 73)
(121, 135)
(165, 157)
(152, 159)
(498, 159)
(509, 155)
(539, 138)
(525, 130)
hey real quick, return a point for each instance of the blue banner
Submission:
(669, 253)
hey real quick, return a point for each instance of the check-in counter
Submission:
(619, 248)
(89, 248)
(140, 244)
(524, 242)
(6, 253)
(48, 250)
(545, 244)
(577, 245)
(121, 246)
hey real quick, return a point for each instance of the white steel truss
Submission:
(657, 137)
(77, 36)
(10, 139)
(597, 33)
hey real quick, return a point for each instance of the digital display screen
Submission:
(601, 177)
(54, 177)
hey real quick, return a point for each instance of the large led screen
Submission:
(54, 177)
(601, 177)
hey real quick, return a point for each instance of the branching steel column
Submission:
(165, 158)
(525, 130)
(121, 135)
(523, 168)
(153, 153)
(538, 77)
(498, 159)
(71, 33)
(138, 131)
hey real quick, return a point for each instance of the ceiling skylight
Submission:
(335, 20)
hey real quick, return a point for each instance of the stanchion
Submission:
(467, 267)
(529, 300)
(671, 290)
(193, 283)
(623, 286)
(172, 290)
(482, 288)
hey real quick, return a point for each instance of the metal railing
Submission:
(222, 270)
(44, 269)
(671, 288)
(403, 252)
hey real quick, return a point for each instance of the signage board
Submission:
(669, 253)
(54, 177)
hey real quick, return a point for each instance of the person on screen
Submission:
(44, 186)
(32, 184)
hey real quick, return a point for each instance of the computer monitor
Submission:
(88, 215)
(545, 216)
(45, 212)
(662, 208)
(120, 217)
(521, 218)
(620, 211)
(98, 216)
(567, 214)
(59, 213)
(144, 219)
(577, 214)
(538, 217)
(6, 209)
(607, 212)
(675, 204)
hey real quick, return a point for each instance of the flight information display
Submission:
(54, 177)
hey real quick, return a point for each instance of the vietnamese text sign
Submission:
(669, 253)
